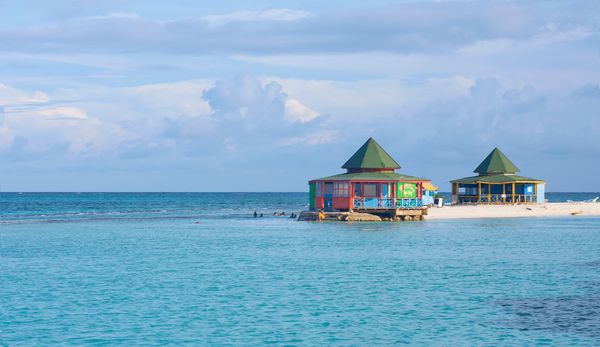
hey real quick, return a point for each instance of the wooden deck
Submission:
(367, 214)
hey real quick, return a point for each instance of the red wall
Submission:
(341, 203)
(318, 203)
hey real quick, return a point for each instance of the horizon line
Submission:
(209, 192)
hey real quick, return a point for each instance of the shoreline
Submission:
(551, 209)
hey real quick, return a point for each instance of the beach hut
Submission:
(371, 184)
(429, 191)
(497, 182)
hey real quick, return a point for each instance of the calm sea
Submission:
(198, 269)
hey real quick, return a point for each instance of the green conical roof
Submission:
(371, 156)
(496, 163)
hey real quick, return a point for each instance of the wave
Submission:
(87, 220)
(139, 216)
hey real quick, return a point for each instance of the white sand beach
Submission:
(574, 209)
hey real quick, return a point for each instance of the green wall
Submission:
(311, 196)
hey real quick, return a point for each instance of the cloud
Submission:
(12, 96)
(86, 136)
(296, 111)
(252, 113)
(245, 98)
(279, 14)
(240, 117)
(114, 15)
(400, 28)
(588, 91)
(44, 131)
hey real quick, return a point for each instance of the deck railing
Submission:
(498, 199)
(385, 203)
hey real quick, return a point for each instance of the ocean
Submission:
(198, 269)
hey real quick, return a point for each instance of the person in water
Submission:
(255, 214)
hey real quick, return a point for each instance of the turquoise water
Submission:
(197, 269)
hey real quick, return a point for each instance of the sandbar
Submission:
(552, 209)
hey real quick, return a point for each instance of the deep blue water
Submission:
(197, 269)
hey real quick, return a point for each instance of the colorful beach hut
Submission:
(497, 182)
(429, 191)
(371, 184)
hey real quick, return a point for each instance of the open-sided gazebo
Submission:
(497, 182)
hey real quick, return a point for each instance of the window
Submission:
(471, 191)
(467, 189)
(370, 190)
(341, 189)
(357, 189)
(318, 189)
(328, 189)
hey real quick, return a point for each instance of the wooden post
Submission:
(351, 195)
(535, 191)
(457, 196)
(513, 193)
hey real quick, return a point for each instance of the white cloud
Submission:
(114, 15)
(363, 100)
(30, 126)
(296, 111)
(408, 28)
(173, 99)
(279, 14)
(83, 135)
(13, 96)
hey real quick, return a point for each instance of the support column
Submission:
(351, 195)
(513, 193)
(457, 196)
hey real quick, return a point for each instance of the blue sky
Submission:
(261, 96)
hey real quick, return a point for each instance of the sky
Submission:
(133, 95)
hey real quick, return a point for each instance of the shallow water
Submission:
(97, 269)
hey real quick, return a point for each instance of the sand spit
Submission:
(554, 209)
